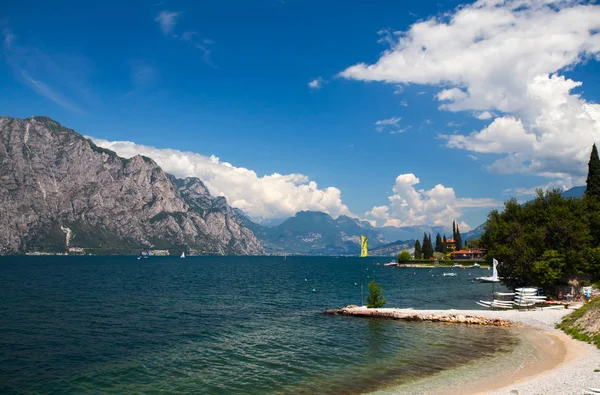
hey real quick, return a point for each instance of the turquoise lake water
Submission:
(226, 325)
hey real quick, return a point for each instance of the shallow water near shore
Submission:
(227, 324)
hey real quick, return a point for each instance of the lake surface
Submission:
(226, 324)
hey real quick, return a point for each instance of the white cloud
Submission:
(506, 56)
(473, 157)
(437, 206)
(46, 91)
(399, 89)
(167, 20)
(143, 75)
(484, 115)
(392, 123)
(316, 84)
(61, 78)
(9, 38)
(404, 103)
(530, 191)
(269, 196)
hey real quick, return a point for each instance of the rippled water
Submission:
(225, 324)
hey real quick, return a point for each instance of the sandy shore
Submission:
(557, 364)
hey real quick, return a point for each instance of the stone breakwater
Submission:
(423, 315)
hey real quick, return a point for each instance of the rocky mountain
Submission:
(314, 233)
(574, 192)
(58, 190)
(474, 233)
(393, 249)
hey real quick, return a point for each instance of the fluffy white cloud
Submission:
(484, 115)
(505, 56)
(316, 84)
(437, 206)
(269, 196)
(167, 21)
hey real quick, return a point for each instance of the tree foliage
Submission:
(427, 247)
(546, 240)
(418, 251)
(403, 256)
(458, 239)
(439, 244)
(375, 298)
(593, 178)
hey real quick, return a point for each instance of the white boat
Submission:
(391, 264)
(493, 278)
(456, 265)
(475, 265)
(449, 274)
(182, 255)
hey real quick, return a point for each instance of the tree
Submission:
(403, 256)
(458, 239)
(475, 243)
(454, 229)
(375, 298)
(418, 251)
(427, 247)
(593, 177)
(445, 244)
(438, 243)
(547, 240)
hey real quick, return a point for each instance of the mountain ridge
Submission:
(59, 190)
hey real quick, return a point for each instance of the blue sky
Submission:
(362, 98)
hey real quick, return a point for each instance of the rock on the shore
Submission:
(415, 315)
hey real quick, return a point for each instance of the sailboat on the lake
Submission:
(494, 277)
(182, 255)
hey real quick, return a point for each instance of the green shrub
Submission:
(403, 256)
(375, 298)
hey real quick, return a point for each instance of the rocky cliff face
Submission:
(59, 190)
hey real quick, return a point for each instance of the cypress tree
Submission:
(427, 247)
(593, 177)
(458, 239)
(445, 245)
(453, 229)
(438, 243)
(418, 251)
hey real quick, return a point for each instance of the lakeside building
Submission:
(474, 253)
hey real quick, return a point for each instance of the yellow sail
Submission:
(363, 246)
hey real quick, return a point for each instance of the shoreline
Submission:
(557, 363)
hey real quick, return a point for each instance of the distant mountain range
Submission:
(317, 233)
(313, 233)
(59, 190)
(393, 249)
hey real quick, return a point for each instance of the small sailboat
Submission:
(140, 256)
(182, 255)
(494, 277)
(147, 255)
(449, 274)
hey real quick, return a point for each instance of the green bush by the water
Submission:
(403, 256)
(375, 298)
